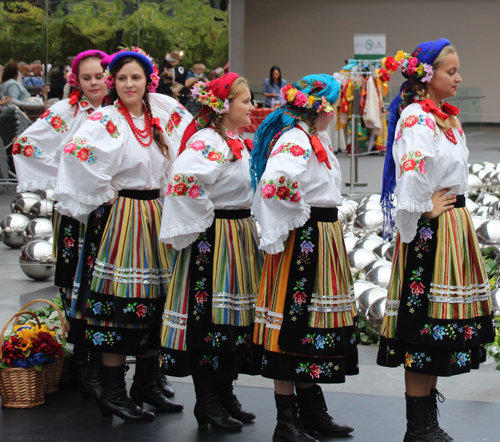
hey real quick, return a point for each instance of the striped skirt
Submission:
(209, 314)
(438, 312)
(306, 316)
(123, 275)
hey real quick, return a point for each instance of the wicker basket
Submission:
(22, 387)
(54, 369)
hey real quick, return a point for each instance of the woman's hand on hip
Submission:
(441, 203)
(112, 200)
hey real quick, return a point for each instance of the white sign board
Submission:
(369, 46)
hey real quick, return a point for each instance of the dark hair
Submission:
(10, 71)
(113, 95)
(271, 81)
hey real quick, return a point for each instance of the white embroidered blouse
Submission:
(104, 155)
(426, 162)
(293, 182)
(37, 150)
(202, 179)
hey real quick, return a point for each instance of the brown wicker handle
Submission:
(16, 316)
(64, 324)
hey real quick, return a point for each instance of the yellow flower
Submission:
(400, 55)
(408, 360)
(310, 99)
(420, 69)
(290, 95)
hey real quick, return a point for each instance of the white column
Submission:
(237, 36)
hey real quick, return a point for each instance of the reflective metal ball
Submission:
(489, 233)
(42, 209)
(474, 186)
(486, 199)
(39, 228)
(372, 265)
(489, 166)
(380, 275)
(36, 260)
(368, 297)
(353, 203)
(13, 227)
(360, 286)
(349, 240)
(478, 221)
(369, 221)
(360, 258)
(348, 211)
(494, 183)
(369, 242)
(483, 211)
(385, 250)
(24, 203)
(375, 314)
(475, 168)
(495, 300)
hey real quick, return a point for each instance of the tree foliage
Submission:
(192, 26)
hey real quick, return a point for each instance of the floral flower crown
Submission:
(297, 98)
(207, 98)
(155, 79)
(410, 65)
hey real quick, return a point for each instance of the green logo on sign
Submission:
(369, 45)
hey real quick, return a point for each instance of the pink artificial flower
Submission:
(429, 71)
(300, 99)
(72, 79)
(413, 61)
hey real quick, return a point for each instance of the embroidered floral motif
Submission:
(211, 360)
(91, 260)
(460, 358)
(54, 120)
(316, 370)
(450, 331)
(208, 152)
(306, 247)
(201, 297)
(282, 188)
(425, 233)
(140, 310)
(299, 299)
(166, 360)
(215, 338)
(79, 148)
(22, 146)
(69, 243)
(181, 185)
(99, 307)
(245, 339)
(412, 161)
(319, 341)
(175, 120)
(417, 288)
(106, 121)
(293, 149)
(100, 338)
(418, 358)
(412, 120)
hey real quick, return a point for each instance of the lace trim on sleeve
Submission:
(77, 203)
(182, 236)
(29, 186)
(409, 230)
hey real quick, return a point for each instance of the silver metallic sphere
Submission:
(349, 213)
(495, 300)
(47, 194)
(360, 258)
(489, 166)
(488, 233)
(36, 260)
(342, 220)
(471, 205)
(483, 211)
(385, 250)
(494, 183)
(42, 209)
(369, 242)
(23, 205)
(360, 286)
(39, 228)
(380, 275)
(349, 240)
(482, 175)
(474, 185)
(353, 203)
(478, 221)
(475, 168)
(486, 199)
(375, 314)
(368, 297)
(372, 265)
(13, 227)
(367, 205)
(368, 222)
(51, 240)
(23, 195)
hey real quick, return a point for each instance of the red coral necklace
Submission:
(450, 135)
(147, 132)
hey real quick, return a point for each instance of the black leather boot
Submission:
(91, 384)
(289, 428)
(208, 408)
(313, 413)
(433, 409)
(78, 365)
(145, 390)
(114, 399)
(418, 416)
(230, 402)
(165, 385)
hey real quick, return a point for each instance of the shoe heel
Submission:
(106, 413)
(202, 423)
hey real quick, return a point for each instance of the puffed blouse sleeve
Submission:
(279, 205)
(36, 151)
(88, 163)
(187, 209)
(414, 151)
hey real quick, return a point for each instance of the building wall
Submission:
(312, 36)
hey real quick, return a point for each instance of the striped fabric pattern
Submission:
(132, 262)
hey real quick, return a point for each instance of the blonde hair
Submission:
(421, 90)
(239, 86)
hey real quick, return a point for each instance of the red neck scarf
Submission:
(237, 145)
(319, 149)
(442, 112)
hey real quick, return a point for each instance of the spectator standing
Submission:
(272, 86)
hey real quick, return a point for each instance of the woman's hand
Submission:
(111, 201)
(442, 203)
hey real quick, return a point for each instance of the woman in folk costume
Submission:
(114, 169)
(210, 309)
(438, 315)
(306, 317)
(37, 152)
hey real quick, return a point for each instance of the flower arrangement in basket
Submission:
(25, 354)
